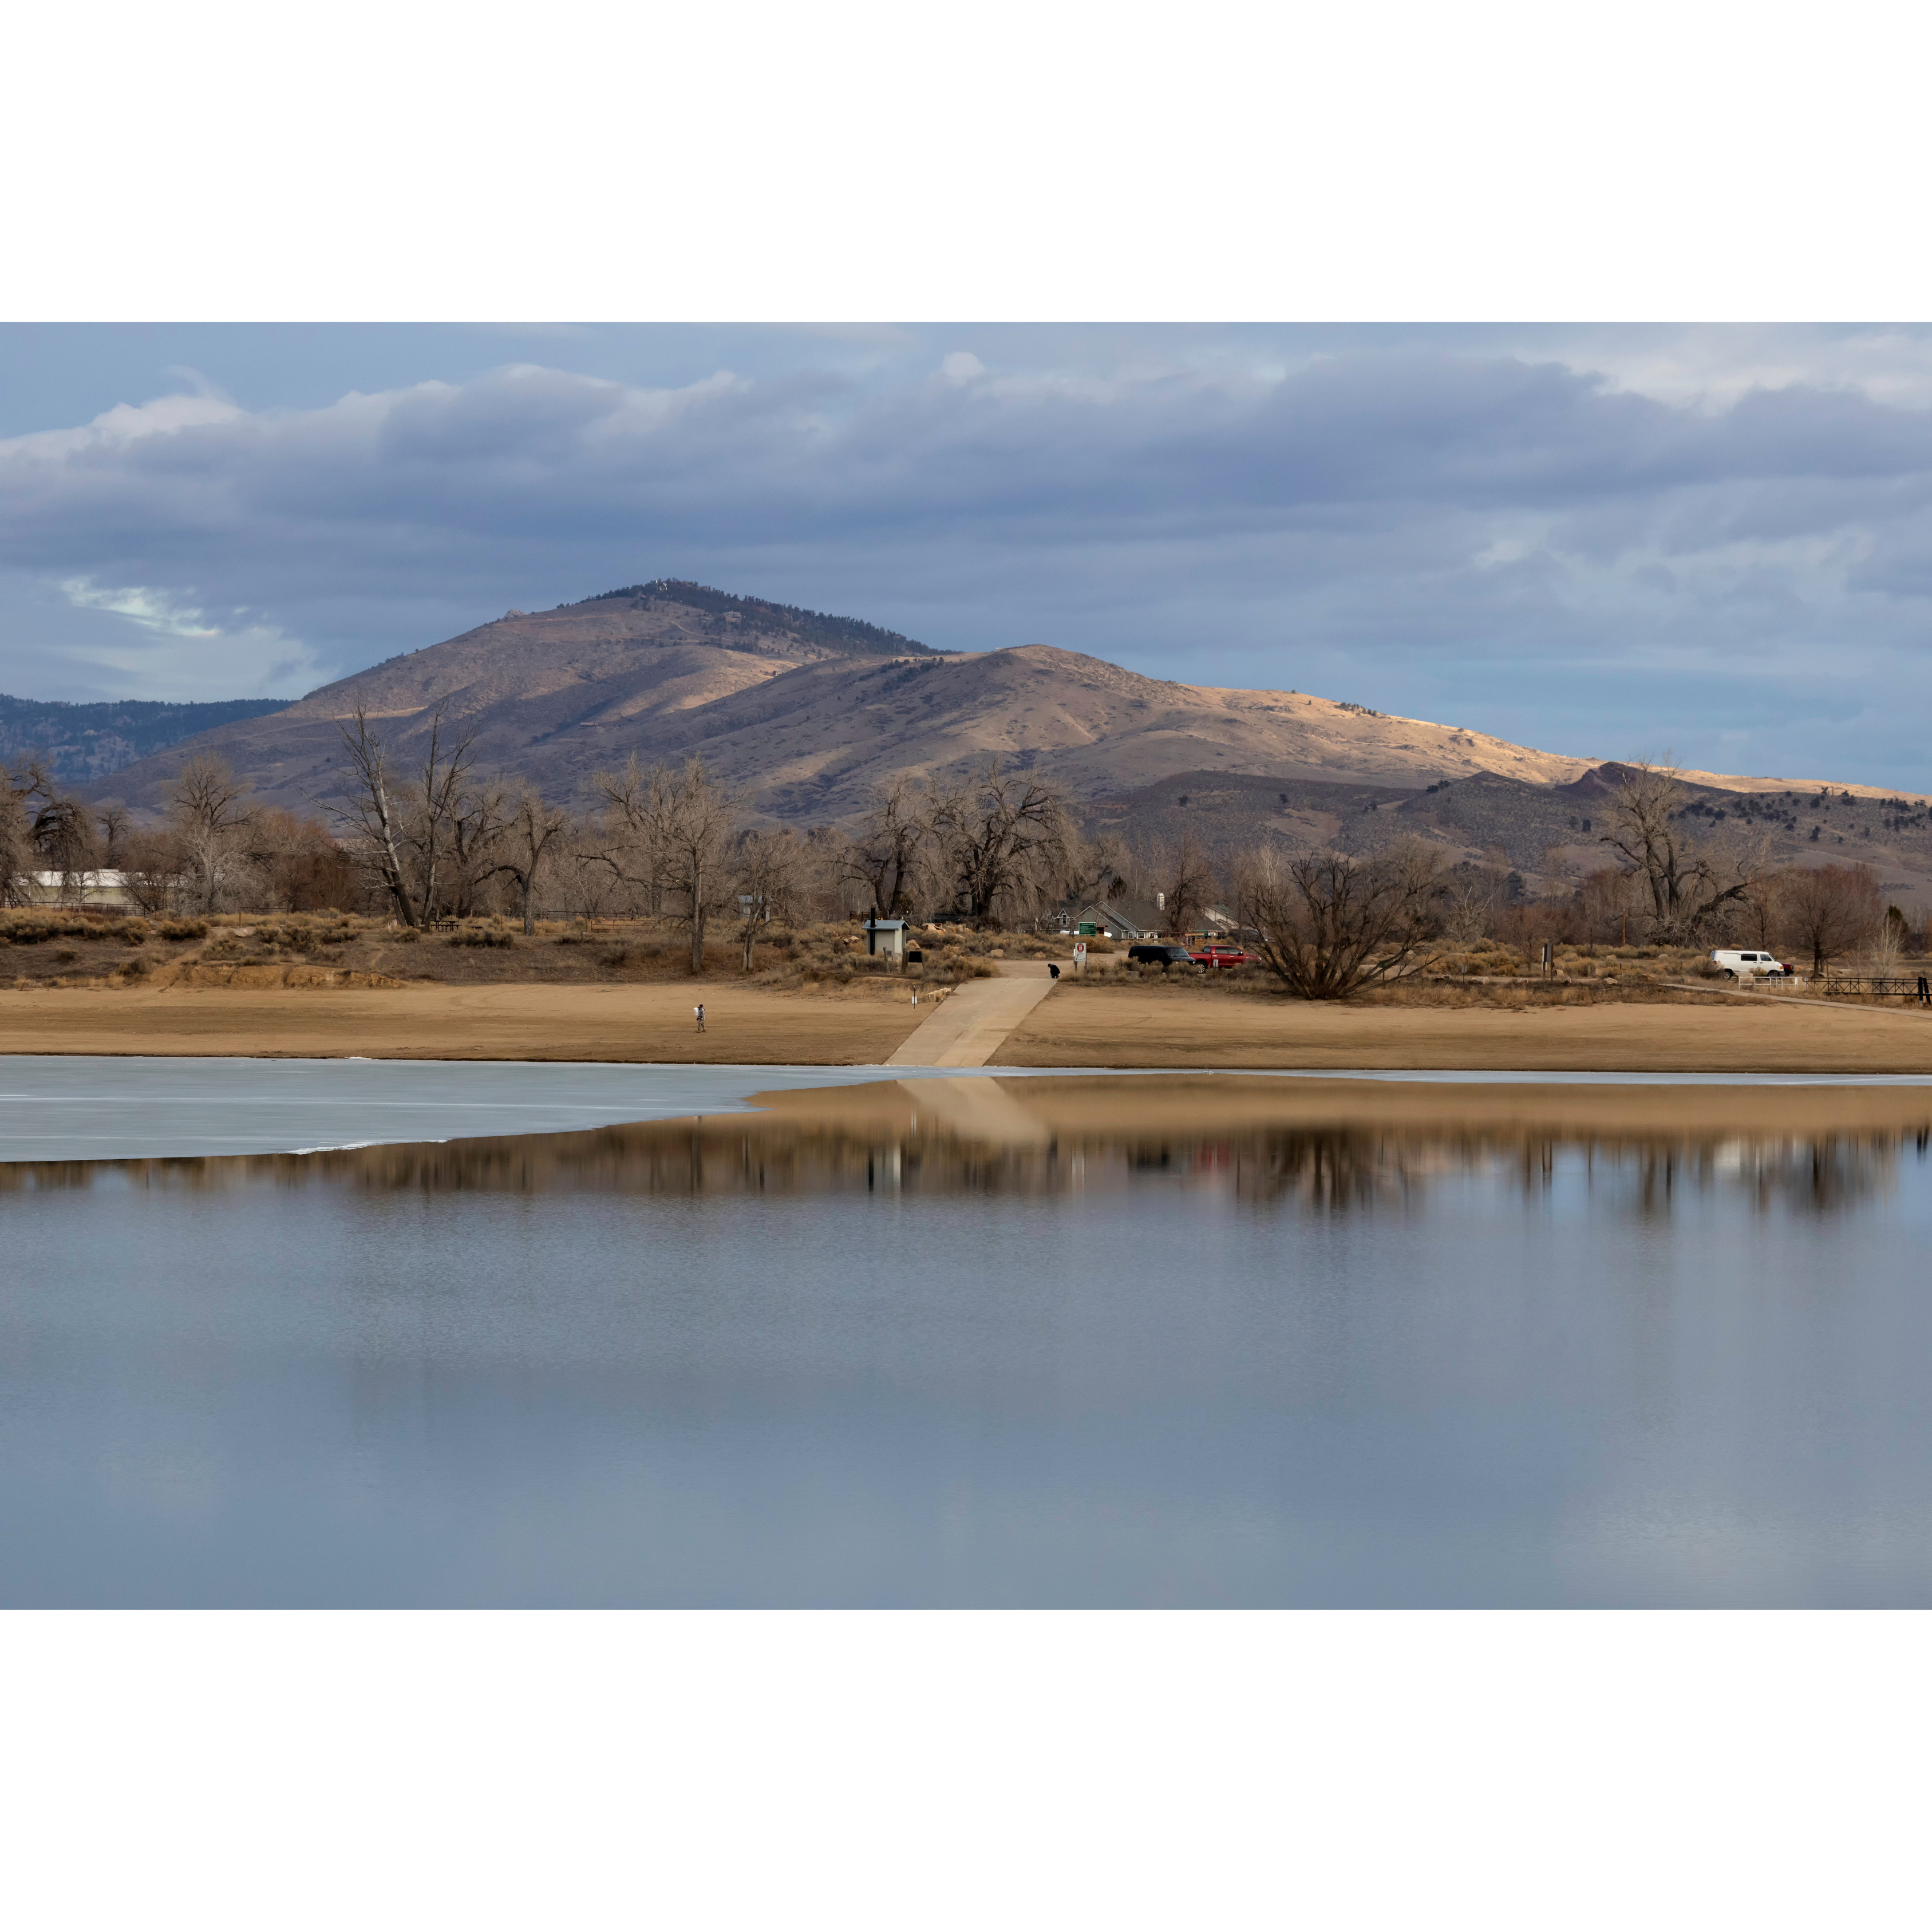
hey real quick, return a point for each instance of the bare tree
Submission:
(1328, 925)
(767, 868)
(1077, 872)
(884, 854)
(1189, 884)
(826, 887)
(676, 832)
(1761, 909)
(372, 814)
(17, 855)
(209, 806)
(1687, 881)
(417, 835)
(1471, 895)
(1830, 909)
(1605, 901)
(1884, 945)
(59, 831)
(1000, 835)
(116, 823)
(535, 828)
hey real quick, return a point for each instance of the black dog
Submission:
(1052, 970)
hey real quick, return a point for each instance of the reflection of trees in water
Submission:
(1818, 1175)
(1327, 1170)
(1331, 1169)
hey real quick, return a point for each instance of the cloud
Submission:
(1534, 542)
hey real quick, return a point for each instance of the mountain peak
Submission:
(846, 636)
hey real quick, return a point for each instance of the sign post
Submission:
(1080, 955)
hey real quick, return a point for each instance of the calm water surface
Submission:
(766, 1362)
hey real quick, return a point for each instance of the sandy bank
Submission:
(1130, 1026)
(863, 1024)
(859, 1026)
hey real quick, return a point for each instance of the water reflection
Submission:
(1035, 1140)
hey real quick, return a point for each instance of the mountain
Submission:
(81, 743)
(809, 712)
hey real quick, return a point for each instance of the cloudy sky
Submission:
(1611, 541)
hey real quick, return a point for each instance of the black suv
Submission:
(1161, 956)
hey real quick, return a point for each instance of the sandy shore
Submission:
(863, 1024)
(751, 1025)
(1129, 1027)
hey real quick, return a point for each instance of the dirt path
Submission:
(753, 1025)
(1131, 1027)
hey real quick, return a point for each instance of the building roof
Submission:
(1111, 913)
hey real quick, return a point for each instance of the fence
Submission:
(1905, 986)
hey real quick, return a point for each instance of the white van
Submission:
(1749, 965)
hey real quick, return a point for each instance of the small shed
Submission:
(886, 938)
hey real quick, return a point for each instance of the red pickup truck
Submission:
(1222, 956)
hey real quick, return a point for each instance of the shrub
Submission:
(182, 928)
(36, 928)
(482, 935)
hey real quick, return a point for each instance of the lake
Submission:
(1189, 1340)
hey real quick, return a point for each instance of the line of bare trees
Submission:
(434, 838)
(211, 850)
(1329, 925)
(1000, 847)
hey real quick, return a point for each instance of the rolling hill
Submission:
(808, 713)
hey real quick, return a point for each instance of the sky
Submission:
(1710, 542)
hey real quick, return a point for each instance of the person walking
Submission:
(699, 1010)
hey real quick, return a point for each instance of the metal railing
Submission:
(1907, 985)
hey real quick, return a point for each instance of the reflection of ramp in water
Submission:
(978, 1110)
